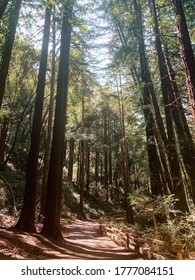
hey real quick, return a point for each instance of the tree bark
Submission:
(176, 99)
(51, 226)
(82, 153)
(124, 154)
(87, 166)
(27, 216)
(71, 159)
(167, 92)
(186, 51)
(97, 157)
(82, 175)
(106, 158)
(162, 141)
(50, 122)
(97, 163)
(153, 159)
(110, 165)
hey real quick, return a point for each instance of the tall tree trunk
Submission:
(110, 165)
(101, 169)
(116, 154)
(110, 153)
(8, 46)
(106, 158)
(51, 226)
(186, 51)
(184, 136)
(162, 141)
(27, 216)
(82, 175)
(97, 163)
(124, 153)
(153, 159)
(97, 157)
(50, 122)
(78, 163)
(71, 159)
(167, 92)
(87, 166)
(82, 154)
(176, 99)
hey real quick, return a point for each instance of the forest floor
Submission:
(82, 240)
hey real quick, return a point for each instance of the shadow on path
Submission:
(86, 239)
(82, 240)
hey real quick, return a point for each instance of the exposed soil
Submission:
(82, 240)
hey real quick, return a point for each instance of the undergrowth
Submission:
(156, 218)
(94, 206)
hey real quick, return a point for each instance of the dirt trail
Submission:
(82, 240)
(86, 240)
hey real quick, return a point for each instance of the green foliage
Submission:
(3, 195)
(173, 227)
(11, 190)
(94, 206)
(189, 13)
(146, 205)
(141, 200)
(71, 198)
(164, 204)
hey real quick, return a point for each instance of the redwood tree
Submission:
(124, 154)
(186, 51)
(27, 216)
(153, 159)
(82, 153)
(50, 121)
(170, 114)
(51, 226)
